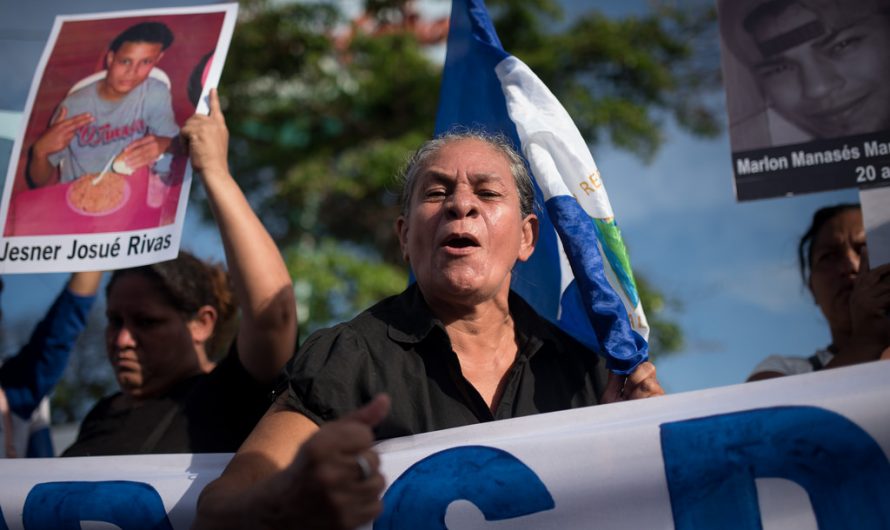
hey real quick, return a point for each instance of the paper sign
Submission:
(808, 105)
(98, 178)
(876, 216)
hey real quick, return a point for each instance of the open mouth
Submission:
(460, 241)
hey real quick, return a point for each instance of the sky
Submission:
(731, 266)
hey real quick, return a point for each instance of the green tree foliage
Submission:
(320, 125)
(620, 78)
(665, 335)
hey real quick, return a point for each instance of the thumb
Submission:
(215, 111)
(373, 412)
(63, 113)
(614, 387)
(863, 261)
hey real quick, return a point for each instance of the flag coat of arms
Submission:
(579, 276)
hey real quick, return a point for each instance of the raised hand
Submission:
(208, 140)
(870, 311)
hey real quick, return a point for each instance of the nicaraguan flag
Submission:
(566, 280)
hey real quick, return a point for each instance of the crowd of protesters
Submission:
(457, 347)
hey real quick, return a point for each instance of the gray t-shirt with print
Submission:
(147, 109)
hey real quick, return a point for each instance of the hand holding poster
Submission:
(98, 178)
(808, 94)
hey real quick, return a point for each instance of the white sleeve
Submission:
(784, 365)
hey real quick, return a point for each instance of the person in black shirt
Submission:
(455, 349)
(163, 318)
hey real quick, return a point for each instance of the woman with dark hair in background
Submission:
(163, 324)
(854, 299)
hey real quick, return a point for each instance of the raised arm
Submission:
(33, 372)
(268, 331)
(292, 474)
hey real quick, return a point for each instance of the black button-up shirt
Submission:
(399, 347)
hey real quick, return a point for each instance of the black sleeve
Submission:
(331, 375)
(225, 406)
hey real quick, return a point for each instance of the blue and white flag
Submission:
(566, 280)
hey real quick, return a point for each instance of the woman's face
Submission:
(836, 253)
(149, 343)
(464, 232)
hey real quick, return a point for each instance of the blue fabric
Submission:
(605, 311)
(590, 309)
(40, 444)
(33, 372)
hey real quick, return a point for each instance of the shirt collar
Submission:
(415, 321)
(411, 320)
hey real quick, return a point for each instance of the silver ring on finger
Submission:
(364, 467)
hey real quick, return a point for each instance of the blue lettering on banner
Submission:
(500, 485)
(63, 505)
(711, 464)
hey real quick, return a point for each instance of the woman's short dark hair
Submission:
(498, 141)
(805, 246)
(187, 284)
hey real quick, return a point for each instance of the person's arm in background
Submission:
(31, 374)
(268, 331)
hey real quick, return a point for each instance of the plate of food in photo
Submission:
(91, 196)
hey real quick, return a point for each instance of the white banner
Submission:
(803, 452)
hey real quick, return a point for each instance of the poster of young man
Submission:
(98, 177)
(808, 94)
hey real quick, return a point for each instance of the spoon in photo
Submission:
(105, 169)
